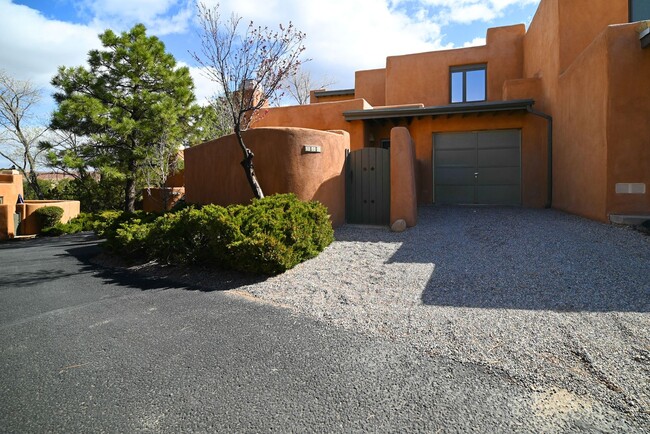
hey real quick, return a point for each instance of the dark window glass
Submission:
(468, 83)
(639, 10)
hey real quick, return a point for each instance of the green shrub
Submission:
(268, 236)
(280, 232)
(83, 222)
(48, 216)
(131, 239)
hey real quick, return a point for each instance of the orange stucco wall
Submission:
(403, 198)
(314, 98)
(11, 185)
(628, 132)
(30, 225)
(580, 148)
(424, 77)
(581, 21)
(161, 199)
(213, 173)
(322, 116)
(371, 86)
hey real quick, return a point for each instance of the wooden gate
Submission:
(367, 185)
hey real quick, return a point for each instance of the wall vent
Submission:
(630, 188)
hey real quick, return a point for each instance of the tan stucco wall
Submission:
(403, 198)
(371, 86)
(213, 173)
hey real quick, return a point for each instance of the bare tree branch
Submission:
(249, 68)
(300, 85)
(18, 139)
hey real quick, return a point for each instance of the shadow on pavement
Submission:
(151, 276)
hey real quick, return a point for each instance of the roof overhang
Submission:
(644, 37)
(340, 92)
(449, 110)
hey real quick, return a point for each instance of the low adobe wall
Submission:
(30, 225)
(7, 221)
(161, 199)
(213, 173)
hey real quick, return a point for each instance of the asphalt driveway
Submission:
(90, 349)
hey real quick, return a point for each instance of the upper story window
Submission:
(468, 83)
(639, 10)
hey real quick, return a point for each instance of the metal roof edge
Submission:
(320, 93)
(461, 108)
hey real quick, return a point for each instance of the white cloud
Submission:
(342, 35)
(204, 88)
(161, 17)
(32, 46)
(474, 42)
(465, 11)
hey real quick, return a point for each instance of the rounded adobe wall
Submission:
(213, 173)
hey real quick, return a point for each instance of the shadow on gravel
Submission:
(515, 258)
(160, 277)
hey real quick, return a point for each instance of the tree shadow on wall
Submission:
(515, 258)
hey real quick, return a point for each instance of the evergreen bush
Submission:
(269, 236)
(48, 216)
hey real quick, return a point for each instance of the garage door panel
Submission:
(448, 194)
(498, 194)
(499, 176)
(455, 176)
(460, 158)
(498, 139)
(498, 157)
(455, 141)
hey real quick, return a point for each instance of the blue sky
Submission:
(37, 36)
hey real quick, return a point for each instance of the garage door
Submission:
(481, 167)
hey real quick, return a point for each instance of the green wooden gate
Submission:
(367, 185)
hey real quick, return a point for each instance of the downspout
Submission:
(549, 156)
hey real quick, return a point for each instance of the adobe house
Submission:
(558, 115)
(19, 219)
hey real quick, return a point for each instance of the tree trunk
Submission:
(129, 189)
(33, 182)
(249, 169)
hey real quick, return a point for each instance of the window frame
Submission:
(464, 69)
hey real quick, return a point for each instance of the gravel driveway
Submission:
(552, 300)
